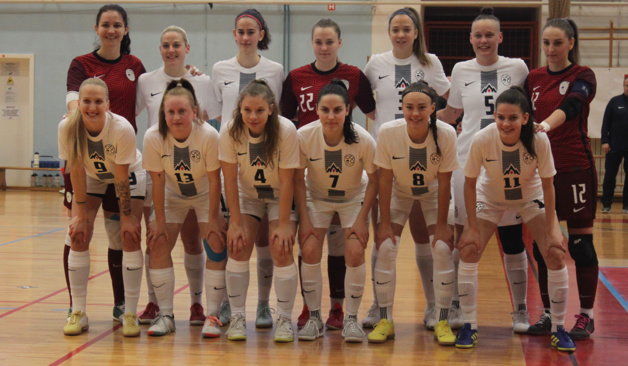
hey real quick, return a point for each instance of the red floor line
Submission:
(88, 344)
(44, 298)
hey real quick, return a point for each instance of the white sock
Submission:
(312, 282)
(149, 284)
(264, 274)
(558, 288)
(194, 269)
(78, 270)
(589, 312)
(385, 276)
(455, 254)
(374, 254)
(354, 288)
(132, 263)
(423, 254)
(215, 286)
(163, 283)
(444, 277)
(237, 276)
(468, 289)
(68, 239)
(517, 272)
(286, 281)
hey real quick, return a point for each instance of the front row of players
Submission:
(332, 166)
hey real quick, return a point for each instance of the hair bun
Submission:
(487, 10)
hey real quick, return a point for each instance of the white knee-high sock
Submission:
(215, 286)
(149, 284)
(312, 282)
(468, 289)
(132, 263)
(385, 276)
(558, 288)
(286, 281)
(237, 276)
(354, 288)
(78, 270)
(423, 254)
(444, 277)
(516, 266)
(264, 274)
(195, 270)
(163, 283)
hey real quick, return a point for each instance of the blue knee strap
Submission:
(115, 217)
(213, 256)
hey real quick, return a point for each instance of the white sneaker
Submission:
(454, 319)
(211, 328)
(351, 332)
(237, 328)
(311, 330)
(372, 317)
(430, 318)
(77, 323)
(161, 326)
(520, 322)
(283, 331)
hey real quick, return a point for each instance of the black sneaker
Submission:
(583, 328)
(606, 209)
(543, 326)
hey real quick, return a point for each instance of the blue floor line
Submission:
(30, 237)
(614, 291)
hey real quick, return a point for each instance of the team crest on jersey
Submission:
(130, 74)
(96, 156)
(527, 158)
(110, 150)
(506, 79)
(479, 206)
(402, 84)
(562, 89)
(349, 160)
(419, 74)
(182, 165)
(195, 155)
(435, 158)
(489, 88)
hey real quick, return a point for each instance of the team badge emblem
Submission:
(506, 80)
(130, 74)
(420, 75)
(349, 160)
(479, 206)
(110, 150)
(527, 158)
(435, 158)
(195, 155)
(563, 87)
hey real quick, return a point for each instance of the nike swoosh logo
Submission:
(116, 265)
(308, 292)
(164, 156)
(282, 300)
(517, 217)
(620, 107)
(99, 76)
(463, 295)
(557, 302)
(536, 87)
(198, 293)
(332, 232)
(577, 241)
(305, 88)
(381, 77)
(519, 283)
(132, 269)
(228, 82)
(448, 283)
(355, 297)
(155, 286)
(240, 154)
(467, 84)
(382, 283)
(153, 94)
(315, 159)
(398, 157)
(578, 209)
(218, 289)
(268, 276)
(489, 160)
(232, 296)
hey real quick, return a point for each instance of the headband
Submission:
(407, 12)
(252, 17)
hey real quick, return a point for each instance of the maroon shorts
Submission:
(109, 200)
(576, 194)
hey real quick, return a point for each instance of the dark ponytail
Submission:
(571, 30)
(422, 86)
(257, 16)
(177, 87)
(125, 46)
(337, 87)
(517, 96)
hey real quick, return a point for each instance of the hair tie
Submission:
(252, 17)
(404, 11)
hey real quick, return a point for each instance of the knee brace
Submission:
(582, 250)
(213, 256)
(511, 238)
(112, 227)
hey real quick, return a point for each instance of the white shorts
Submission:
(137, 183)
(257, 208)
(493, 211)
(508, 218)
(322, 212)
(400, 208)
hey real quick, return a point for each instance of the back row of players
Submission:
(259, 153)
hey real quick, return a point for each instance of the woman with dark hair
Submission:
(518, 175)
(259, 151)
(416, 155)
(561, 94)
(336, 152)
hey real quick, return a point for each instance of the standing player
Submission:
(518, 175)
(99, 147)
(113, 63)
(390, 73)
(230, 76)
(416, 155)
(259, 151)
(298, 102)
(173, 48)
(181, 154)
(475, 85)
(336, 152)
(561, 94)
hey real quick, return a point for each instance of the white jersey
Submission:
(510, 173)
(186, 163)
(475, 89)
(389, 76)
(152, 85)
(114, 145)
(334, 173)
(257, 180)
(230, 77)
(415, 166)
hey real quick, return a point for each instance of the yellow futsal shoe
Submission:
(77, 324)
(383, 331)
(443, 334)
(130, 325)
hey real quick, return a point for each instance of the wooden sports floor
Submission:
(34, 301)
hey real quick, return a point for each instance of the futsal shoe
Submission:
(237, 328)
(520, 321)
(118, 312)
(336, 316)
(197, 314)
(311, 330)
(467, 337)
(430, 318)
(264, 318)
(283, 331)
(562, 342)
(77, 324)
(130, 325)
(225, 313)
(150, 313)
(543, 326)
(161, 326)
(304, 317)
(351, 332)
(383, 331)
(454, 318)
(443, 334)
(373, 317)
(211, 328)
(583, 328)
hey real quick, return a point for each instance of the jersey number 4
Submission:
(259, 176)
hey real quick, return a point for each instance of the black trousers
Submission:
(613, 160)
